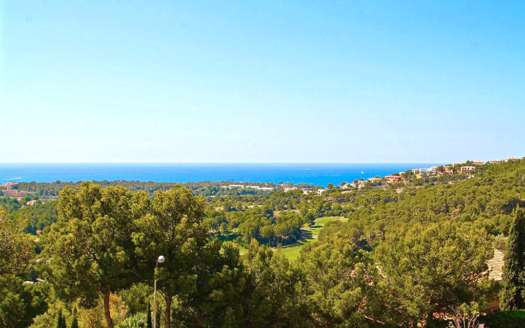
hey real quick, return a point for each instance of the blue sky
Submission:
(261, 81)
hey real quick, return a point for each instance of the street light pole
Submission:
(161, 259)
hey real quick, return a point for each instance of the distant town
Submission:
(9, 189)
(454, 169)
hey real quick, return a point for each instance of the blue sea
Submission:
(316, 174)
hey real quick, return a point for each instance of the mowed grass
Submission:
(310, 234)
(242, 250)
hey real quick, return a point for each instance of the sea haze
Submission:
(316, 174)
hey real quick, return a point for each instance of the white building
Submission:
(233, 186)
(465, 169)
(430, 170)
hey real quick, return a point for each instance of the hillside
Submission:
(407, 255)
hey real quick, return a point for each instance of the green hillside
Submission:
(402, 255)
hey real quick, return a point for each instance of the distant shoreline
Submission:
(308, 173)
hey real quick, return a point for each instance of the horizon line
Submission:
(423, 162)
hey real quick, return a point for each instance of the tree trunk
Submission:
(167, 317)
(106, 309)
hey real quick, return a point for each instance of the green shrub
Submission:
(506, 319)
(136, 321)
(500, 242)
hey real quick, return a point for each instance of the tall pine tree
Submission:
(60, 320)
(90, 246)
(513, 295)
(148, 323)
(74, 322)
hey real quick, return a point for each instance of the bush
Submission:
(506, 319)
(500, 242)
(136, 321)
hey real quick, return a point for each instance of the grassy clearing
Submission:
(310, 234)
(242, 250)
(320, 223)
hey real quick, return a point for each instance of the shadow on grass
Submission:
(307, 235)
(231, 237)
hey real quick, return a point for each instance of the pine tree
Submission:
(149, 324)
(74, 322)
(179, 235)
(513, 296)
(60, 320)
(105, 230)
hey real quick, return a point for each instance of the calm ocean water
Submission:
(317, 174)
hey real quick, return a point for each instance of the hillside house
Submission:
(448, 169)
(393, 178)
(430, 170)
(466, 169)
(233, 186)
(360, 184)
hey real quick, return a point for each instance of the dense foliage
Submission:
(204, 188)
(36, 217)
(513, 295)
(402, 255)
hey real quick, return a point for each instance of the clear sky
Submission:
(261, 81)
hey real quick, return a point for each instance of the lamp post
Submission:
(161, 259)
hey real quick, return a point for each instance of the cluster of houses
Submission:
(9, 189)
(431, 171)
(456, 168)
(461, 167)
(469, 168)
(391, 179)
